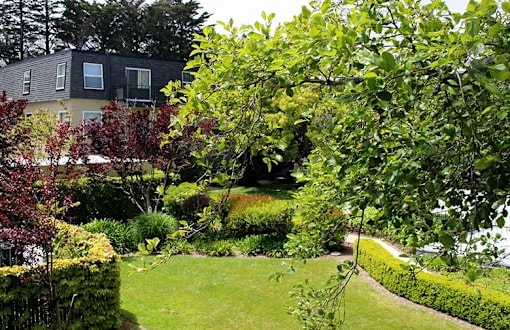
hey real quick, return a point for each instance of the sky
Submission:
(249, 11)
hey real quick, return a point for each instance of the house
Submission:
(75, 84)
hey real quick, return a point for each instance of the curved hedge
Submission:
(487, 308)
(86, 268)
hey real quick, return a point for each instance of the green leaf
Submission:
(486, 162)
(472, 27)
(388, 61)
(506, 6)
(492, 88)
(500, 221)
(494, 30)
(447, 241)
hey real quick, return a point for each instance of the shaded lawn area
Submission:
(236, 293)
(278, 191)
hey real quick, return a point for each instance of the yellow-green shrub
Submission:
(86, 267)
(258, 214)
(487, 308)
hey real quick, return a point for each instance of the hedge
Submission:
(85, 267)
(258, 214)
(487, 308)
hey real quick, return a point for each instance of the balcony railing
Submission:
(139, 95)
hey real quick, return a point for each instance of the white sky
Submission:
(249, 11)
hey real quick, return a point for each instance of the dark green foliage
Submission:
(93, 278)
(151, 225)
(487, 308)
(121, 235)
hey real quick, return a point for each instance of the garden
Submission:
(383, 119)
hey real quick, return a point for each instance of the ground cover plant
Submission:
(236, 293)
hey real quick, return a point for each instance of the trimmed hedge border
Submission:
(489, 309)
(92, 276)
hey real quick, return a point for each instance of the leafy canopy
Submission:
(409, 107)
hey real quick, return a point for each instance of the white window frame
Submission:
(85, 75)
(140, 86)
(63, 116)
(60, 84)
(27, 77)
(186, 73)
(98, 113)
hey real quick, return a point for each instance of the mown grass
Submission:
(236, 293)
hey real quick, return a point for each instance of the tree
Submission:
(171, 25)
(411, 110)
(46, 14)
(76, 25)
(121, 27)
(131, 139)
(19, 28)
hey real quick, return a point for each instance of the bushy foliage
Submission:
(175, 196)
(318, 225)
(487, 308)
(86, 273)
(152, 225)
(121, 235)
(192, 207)
(221, 248)
(257, 214)
(270, 245)
(96, 199)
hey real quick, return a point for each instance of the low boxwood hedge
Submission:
(86, 271)
(487, 308)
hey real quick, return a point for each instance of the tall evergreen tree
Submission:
(46, 15)
(119, 26)
(19, 28)
(76, 26)
(170, 26)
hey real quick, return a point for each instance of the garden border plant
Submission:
(86, 273)
(487, 308)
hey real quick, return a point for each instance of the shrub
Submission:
(192, 206)
(175, 196)
(316, 230)
(91, 279)
(220, 248)
(151, 225)
(121, 235)
(258, 214)
(270, 245)
(487, 308)
(96, 200)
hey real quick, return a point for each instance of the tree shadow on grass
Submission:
(129, 321)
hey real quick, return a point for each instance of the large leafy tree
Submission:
(409, 115)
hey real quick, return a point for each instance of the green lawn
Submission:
(235, 293)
